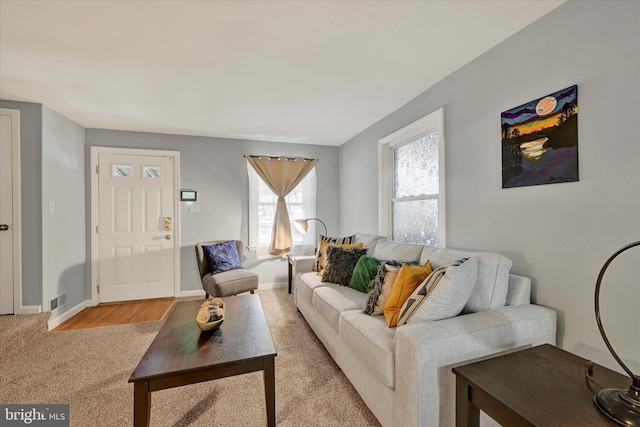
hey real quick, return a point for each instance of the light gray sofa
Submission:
(404, 374)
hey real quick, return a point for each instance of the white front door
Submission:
(136, 227)
(9, 234)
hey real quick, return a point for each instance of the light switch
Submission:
(195, 208)
(52, 206)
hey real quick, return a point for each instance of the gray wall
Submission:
(31, 200)
(63, 231)
(216, 168)
(561, 234)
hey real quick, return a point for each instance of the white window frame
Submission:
(427, 124)
(309, 205)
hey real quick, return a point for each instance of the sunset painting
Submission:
(540, 141)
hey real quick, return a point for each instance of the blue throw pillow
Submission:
(222, 256)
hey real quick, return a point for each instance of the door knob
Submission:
(4, 227)
(168, 237)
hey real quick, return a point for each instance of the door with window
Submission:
(135, 226)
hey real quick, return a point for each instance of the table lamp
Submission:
(303, 224)
(622, 406)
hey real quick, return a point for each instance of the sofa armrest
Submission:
(302, 264)
(426, 352)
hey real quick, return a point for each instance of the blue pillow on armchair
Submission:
(222, 256)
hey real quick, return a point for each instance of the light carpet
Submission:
(89, 369)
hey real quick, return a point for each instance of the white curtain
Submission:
(281, 174)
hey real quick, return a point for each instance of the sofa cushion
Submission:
(443, 294)
(368, 241)
(340, 264)
(492, 282)
(306, 285)
(372, 342)
(408, 279)
(363, 273)
(406, 252)
(331, 300)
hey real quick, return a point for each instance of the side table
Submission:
(291, 260)
(538, 386)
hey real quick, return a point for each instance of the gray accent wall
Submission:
(216, 169)
(561, 234)
(63, 230)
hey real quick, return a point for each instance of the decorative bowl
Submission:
(210, 326)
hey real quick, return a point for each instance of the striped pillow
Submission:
(443, 294)
(320, 254)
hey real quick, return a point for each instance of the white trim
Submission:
(30, 309)
(57, 321)
(272, 285)
(432, 121)
(193, 293)
(175, 155)
(16, 220)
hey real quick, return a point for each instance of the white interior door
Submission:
(9, 200)
(136, 224)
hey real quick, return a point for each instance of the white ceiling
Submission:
(314, 72)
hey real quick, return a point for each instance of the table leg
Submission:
(467, 414)
(270, 390)
(290, 273)
(141, 404)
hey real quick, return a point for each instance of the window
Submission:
(301, 203)
(411, 182)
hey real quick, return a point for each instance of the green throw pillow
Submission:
(364, 272)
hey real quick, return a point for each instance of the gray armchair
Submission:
(227, 283)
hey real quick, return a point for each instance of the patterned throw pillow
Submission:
(363, 273)
(348, 240)
(381, 287)
(409, 277)
(340, 264)
(444, 293)
(222, 256)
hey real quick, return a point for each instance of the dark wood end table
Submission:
(538, 386)
(291, 259)
(182, 354)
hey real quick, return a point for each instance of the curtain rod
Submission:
(254, 156)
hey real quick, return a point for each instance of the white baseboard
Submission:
(68, 314)
(273, 285)
(194, 293)
(29, 309)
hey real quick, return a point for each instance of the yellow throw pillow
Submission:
(322, 259)
(408, 279)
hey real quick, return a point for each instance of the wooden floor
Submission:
(110, 314)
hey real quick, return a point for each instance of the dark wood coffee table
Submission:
(539, 386)
(182, 354)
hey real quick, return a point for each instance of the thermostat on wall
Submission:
(188, 195)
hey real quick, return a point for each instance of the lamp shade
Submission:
(302, 225)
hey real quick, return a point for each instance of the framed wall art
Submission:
(540, 140)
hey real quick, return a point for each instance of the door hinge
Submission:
(97, 169)
(98, 288)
